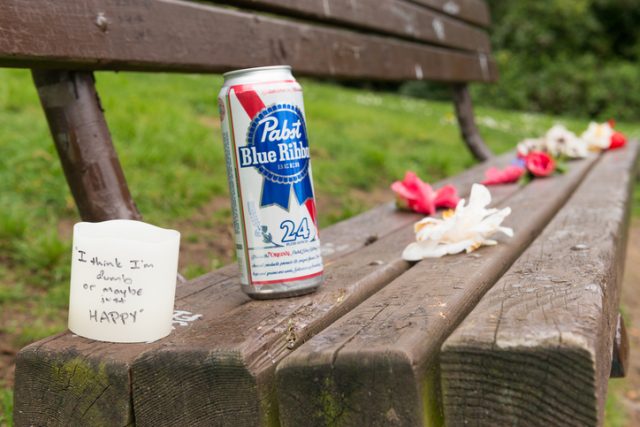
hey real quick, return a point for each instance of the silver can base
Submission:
(284, 289)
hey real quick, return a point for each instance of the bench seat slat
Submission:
(394, 17)
(376, 365)
(173, 35)
(538, 345)
(338, 240)
(79, 370)
(232, 365)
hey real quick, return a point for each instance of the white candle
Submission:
(123, 280)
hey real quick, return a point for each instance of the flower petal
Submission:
(425, 201)
(480, 197)
(420, 197)
(618, 140)
(598, 135)
(540, 164)
(402, 191)
(466, 229)
(510, 174)
(507, 231)
(420, 250)
(447, 197)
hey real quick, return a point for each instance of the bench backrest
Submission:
(367, 39)
(63, 41)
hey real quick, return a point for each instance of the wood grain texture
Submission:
(51, 364)
(172, 35)
(377, 365)
(537, 348)
(83, 142)
(393, 17)
(219, 374)
(467, 122)
(225, 376)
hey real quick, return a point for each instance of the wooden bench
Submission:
(373, 345)
(64, 41)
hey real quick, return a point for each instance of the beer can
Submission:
(270, 183)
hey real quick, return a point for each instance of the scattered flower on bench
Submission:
(414, 194)
(542, 157)
(540, 164)
(508, 175)
(467, 228)
(558, 141)
(536, 164)
(603, 136)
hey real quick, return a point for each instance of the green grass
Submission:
(166, 131)
(6, 407)
(615, 413)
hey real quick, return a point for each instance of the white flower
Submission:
(561, 141)
(531, 144)
(466, 229)
(598, 135)
(558, 141)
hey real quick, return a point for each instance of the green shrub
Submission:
(569, 57)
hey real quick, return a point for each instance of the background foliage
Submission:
(570, 57)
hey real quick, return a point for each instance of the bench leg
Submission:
(620, 359)
(83, 141)
(466, 120)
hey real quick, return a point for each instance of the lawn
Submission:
(166, 131)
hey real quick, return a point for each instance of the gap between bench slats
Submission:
(172, 35)
(376, 365)
(66, 379)
(537, 348)
(232, 366)
(393, 17)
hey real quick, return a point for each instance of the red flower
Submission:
(414, 194)
(618, 140)
(447, 197)
(540, 163)
(495, 176)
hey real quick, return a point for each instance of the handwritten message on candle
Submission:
(114, 283)
(123, 281)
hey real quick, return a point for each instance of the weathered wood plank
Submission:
(377, 365)
(173, 35)
(222, 377)
(474, 11)
(232, 365)
(537, 348)
(50, 364)
(393, 17)
(83, 142)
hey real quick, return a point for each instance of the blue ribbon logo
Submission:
(277, 147)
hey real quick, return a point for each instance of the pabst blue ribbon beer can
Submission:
(270, 182)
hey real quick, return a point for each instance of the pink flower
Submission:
(447, 197)
(414, 194)
(495, 176)
(540, 163)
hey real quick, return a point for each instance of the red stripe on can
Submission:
(295, 279)
(249, 100)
